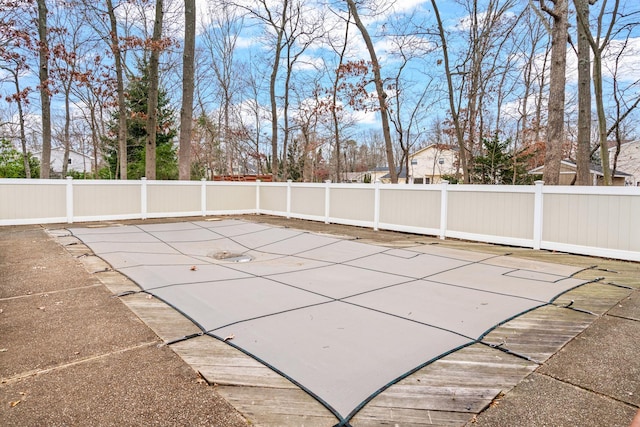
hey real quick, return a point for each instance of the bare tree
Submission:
(122, 106)
(220, 40)
(455, 114)
(341, 52)
(626, 98)
(154, 83)
(532, 84)
(45, 94)
(555, 135)
(300, 32)
(382, 95)
(188, 82)
(583, 176)
(598, 45)
(276, 19)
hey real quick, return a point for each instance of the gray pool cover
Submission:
(341, 319)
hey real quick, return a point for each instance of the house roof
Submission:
(402, 173)
(612, 148)
(442, 147)
(593, 168)
(39, 153)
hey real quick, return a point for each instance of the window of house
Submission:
(441, 161)
(414, 162)
(427, 180)
(69, 161)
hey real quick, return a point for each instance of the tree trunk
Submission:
(382, 96)
(334, 97)
(45, 96)
(122, 108)
(557, 81)
(272, 92)
(67, 126)
(23, 136)
(152, 105)
(188, 83)
(598, 45)
(94, 141)
(583, 176)
(454, 112)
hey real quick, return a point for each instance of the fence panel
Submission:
(352, 204)
(601, 221)
(173, 198)
(307, 202)
(98, 200)
(32, 201)
(273, 198)
(491, 214)
(414, 209)
(230, 198)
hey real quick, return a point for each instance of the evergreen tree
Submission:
(294, 161)
(136, 103)
(498, 166)
(12, 164)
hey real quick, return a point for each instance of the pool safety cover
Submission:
(341, 319)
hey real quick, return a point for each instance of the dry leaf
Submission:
(14, 403)
(230, 337)
(41, 308)
(194, 268)
(3, 350)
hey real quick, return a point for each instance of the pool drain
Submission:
(231, 257)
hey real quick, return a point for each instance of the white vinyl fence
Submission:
(600, 221)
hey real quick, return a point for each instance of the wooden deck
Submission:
(447, 392)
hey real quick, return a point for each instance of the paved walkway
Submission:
(72, 354)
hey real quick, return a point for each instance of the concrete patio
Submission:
(73, 354)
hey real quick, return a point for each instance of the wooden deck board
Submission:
(267, 406)
(597, 298)
(222, 364)
(540, 333)
(452, 389)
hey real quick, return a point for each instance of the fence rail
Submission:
(599, 221)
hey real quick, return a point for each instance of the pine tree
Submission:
(498, 165)
(136, 107)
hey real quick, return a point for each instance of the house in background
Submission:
(77, 162)
(430, 164)
(628, 161)
(426, 166)
(568, 174)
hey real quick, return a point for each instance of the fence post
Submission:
(289, 198)
(537, 214)
(444, 202)
(70, 199)
(203, 195)
(143, 197)
(376, 206)
(327, 200)
(258, 181)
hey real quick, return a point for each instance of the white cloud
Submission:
(628, 62)
(308, 62)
